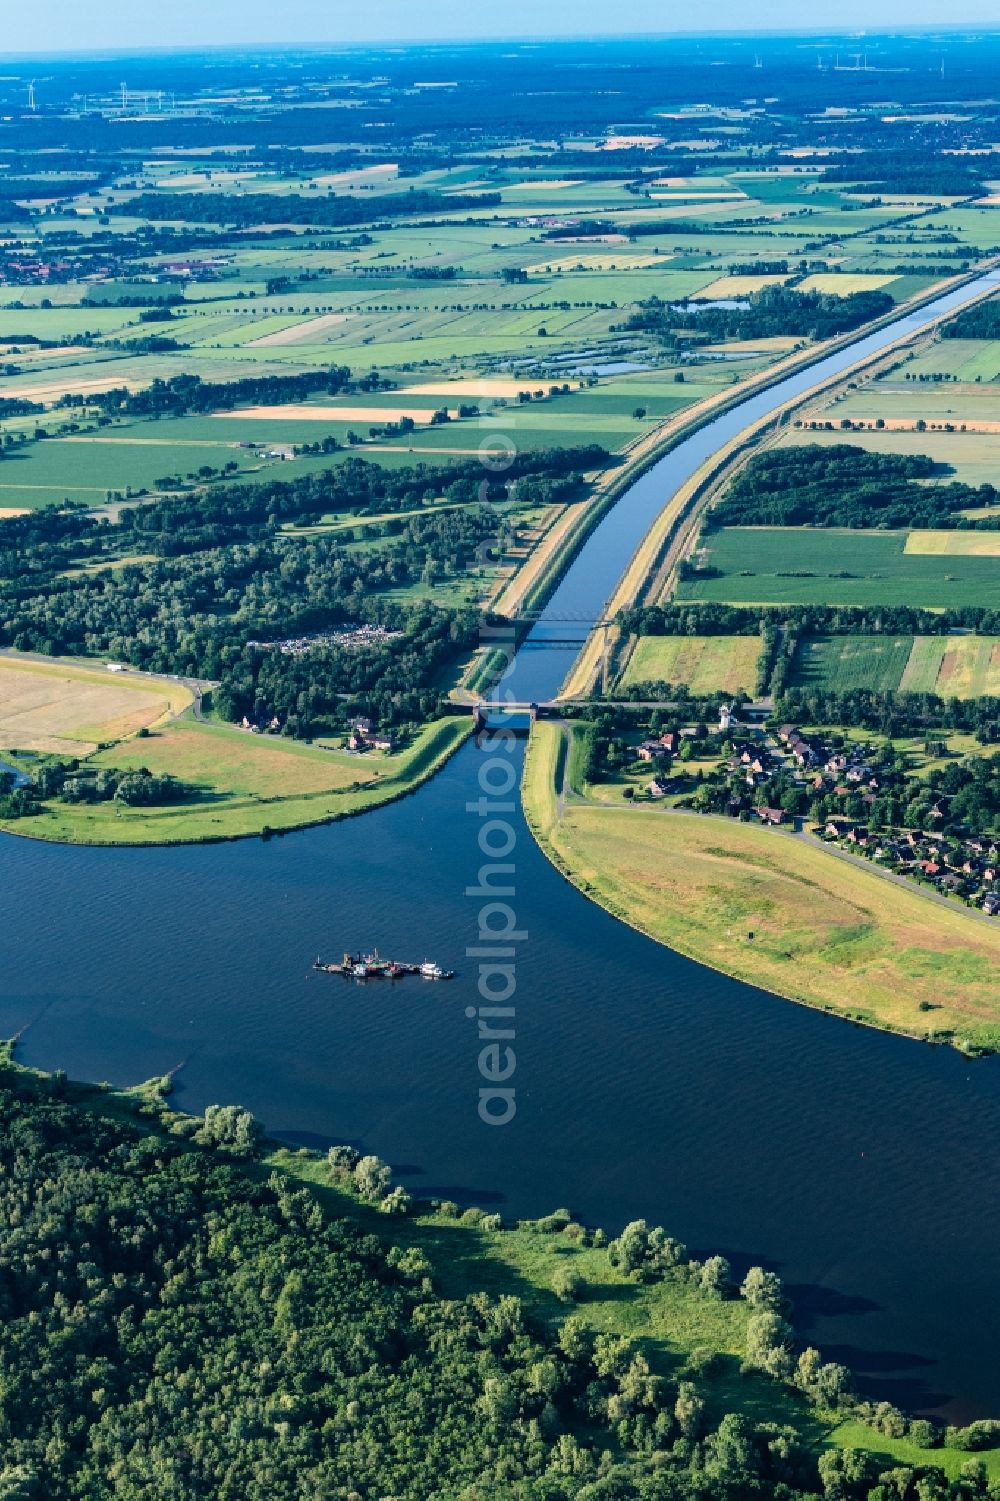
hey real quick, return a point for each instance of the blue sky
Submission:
(70, 25)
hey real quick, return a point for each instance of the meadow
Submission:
(797, 565)
(706, 664)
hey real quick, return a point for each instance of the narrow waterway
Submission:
(855, 1164)
(590, 582)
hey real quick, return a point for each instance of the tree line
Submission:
(182, 395)
(246, 209)
(712, 619)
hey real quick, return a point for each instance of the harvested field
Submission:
(70, 379)
(310, 331)
(245, 765)
(843, 283)
(68, 710)
(736, 286)
(954, 544)
(544, 185)
(472, 385)
(611, 261)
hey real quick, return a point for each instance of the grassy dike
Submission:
(678, 1326)
(826, 933)
(245, 785)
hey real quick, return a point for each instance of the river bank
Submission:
(771, 909)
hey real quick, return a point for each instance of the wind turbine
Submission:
(31, 97)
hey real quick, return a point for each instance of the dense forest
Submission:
(176, 1323)
(981, 321)
(765, 314)
(227, 577)
(907, 171)
(845, 485)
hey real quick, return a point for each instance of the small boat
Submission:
(432, 971)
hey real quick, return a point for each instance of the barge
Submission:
(373, 967)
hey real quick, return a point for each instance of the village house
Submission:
(771, 817)
(801, 750)
(651, 750)
(991, 904)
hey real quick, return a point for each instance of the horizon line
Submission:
(971, 28)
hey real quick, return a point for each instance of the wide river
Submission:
(857, 1165)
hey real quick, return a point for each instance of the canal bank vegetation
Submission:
(360, 1342)
(771, 908)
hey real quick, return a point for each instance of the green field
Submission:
(842, 663)
(953, 666)
(797, 565)
(86, 468)
(706, 664)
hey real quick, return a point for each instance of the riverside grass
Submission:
(826, 932)
(673, 1320)
(246, 785)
